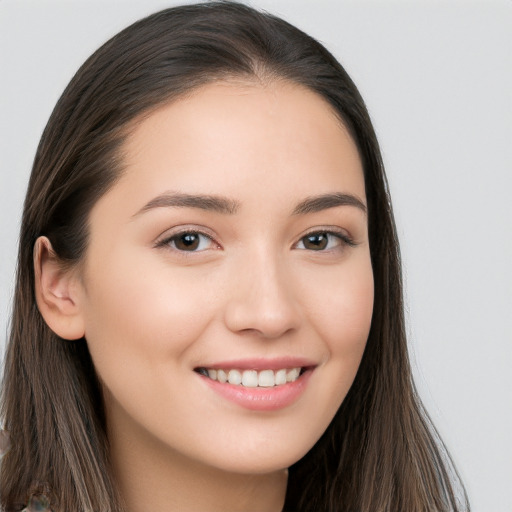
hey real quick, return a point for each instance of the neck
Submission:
(152, 477)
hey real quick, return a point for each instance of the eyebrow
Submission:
(211, 203)
(228, 206)
(323, 202)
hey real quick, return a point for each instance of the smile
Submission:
(253, 378)
(259, 385)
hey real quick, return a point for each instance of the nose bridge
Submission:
(262, 300)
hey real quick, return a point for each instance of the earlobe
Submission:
(57, 290)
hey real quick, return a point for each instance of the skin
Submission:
(152, 313)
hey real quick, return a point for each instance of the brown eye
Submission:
(316, 241)
(190, 241)
(187, 242)
(324, 241)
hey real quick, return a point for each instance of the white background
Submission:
(437, 79)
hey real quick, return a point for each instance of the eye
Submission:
(189, 241)
(323, 241)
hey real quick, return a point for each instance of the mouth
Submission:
(266, 378)
(264, 385)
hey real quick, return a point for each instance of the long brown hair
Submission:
(380, 452)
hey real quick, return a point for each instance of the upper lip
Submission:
(261, 363)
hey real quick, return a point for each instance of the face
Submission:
(234, 247)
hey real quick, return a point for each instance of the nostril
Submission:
(261, 321)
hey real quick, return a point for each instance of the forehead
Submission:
(244, 140)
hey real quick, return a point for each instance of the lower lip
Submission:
(262, 399)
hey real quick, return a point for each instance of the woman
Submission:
(209, 291)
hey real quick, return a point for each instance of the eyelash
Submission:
(342, 237)
(170, 241)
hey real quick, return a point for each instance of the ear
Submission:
(58, 291)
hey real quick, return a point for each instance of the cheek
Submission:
(343, 319)
(342, 309)
(355, 308)
(142, 317)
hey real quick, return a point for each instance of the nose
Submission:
(262, 301)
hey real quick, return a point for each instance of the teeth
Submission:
(253, 378)
(292, 374)
(250, 379)
(234, 377)
(280, 377)
(266, 379)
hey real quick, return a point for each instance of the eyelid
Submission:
(165, 238)
(342, 234)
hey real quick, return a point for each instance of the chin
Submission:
(264, 461)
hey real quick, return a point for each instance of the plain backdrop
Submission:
(437, 79)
